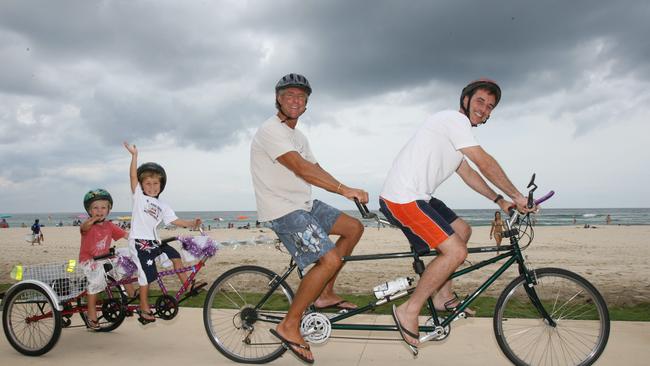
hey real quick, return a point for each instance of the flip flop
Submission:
(145, 321)
(452, 305)
(337, 306)
(93, 324)
(290, 346)
(403, 330)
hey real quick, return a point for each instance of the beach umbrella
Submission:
(82, 216)
(242, 217)
(5, 216)
(124, 218)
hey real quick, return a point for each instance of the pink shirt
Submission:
(97, 241)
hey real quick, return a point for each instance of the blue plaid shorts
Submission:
(305, 233)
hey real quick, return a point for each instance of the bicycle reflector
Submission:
(71, 265)
(17, 272)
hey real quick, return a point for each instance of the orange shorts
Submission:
(425, 224)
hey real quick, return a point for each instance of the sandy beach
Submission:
(613, 258)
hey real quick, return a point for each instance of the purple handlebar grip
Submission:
(544, 198)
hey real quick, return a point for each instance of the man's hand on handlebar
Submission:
(521, 203)
(352, 193)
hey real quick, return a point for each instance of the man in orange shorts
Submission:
(437, 150)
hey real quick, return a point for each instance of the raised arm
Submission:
(133, 170)
(315, 175)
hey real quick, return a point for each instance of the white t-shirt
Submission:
(148, 212)
(278, 191)
(428, 158)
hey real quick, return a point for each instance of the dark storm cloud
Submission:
(370, 47)
(199, 73)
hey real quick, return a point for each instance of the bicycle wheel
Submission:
(31, 322)
(579, 311)
(110, 307)
(239, 311)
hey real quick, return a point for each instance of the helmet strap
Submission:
(466, 110)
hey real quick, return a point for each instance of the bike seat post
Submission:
(418, 264)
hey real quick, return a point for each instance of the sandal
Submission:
(144, 320)
(93, 324)
(294, 347)
(196, 287)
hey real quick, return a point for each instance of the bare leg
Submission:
(445, 293)
(350, 231)
(92, 311)
(310, 287)
(144, 302)
(178, 264)
(452, 253)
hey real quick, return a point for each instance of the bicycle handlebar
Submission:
(365, 213)
(544, 197)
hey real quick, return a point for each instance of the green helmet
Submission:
(96, 194)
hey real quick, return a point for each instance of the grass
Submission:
(484, 306)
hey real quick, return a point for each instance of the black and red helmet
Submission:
(490, 85)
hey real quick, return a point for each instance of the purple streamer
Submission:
(127, 265)
(189, 244)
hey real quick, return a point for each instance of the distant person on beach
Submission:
(37, 233)
(497, 229)
(284, 169)
(147, 183)
(97, 234)
(4, 224)
(438, 149)
(608, 220)
(574, 220)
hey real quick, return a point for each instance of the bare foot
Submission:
(409, 324)
(294, 336)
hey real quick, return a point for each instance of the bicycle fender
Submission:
(50, 292)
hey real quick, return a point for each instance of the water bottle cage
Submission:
(509, 233)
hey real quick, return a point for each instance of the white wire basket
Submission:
(67, 279)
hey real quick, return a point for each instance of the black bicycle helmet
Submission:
(293, 80)
(96, 194)
(483, 83)
(154, 168)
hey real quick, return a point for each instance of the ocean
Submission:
(483, 217)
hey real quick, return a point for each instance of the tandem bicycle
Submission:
(546, 316)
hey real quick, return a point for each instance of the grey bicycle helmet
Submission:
(154, 168)
(293, 80)
(96, 194)
(490, 85)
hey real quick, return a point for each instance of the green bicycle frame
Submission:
(512, 255)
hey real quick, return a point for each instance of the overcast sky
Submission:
(189, 82)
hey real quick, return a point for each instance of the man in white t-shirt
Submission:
(438, 149)
(283, 170)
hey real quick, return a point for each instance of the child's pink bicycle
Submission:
(42, 303)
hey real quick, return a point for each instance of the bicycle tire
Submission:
(235, 326)
(578, 309)
(112, 299)
(35, 336)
